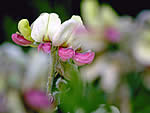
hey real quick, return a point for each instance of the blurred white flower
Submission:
(141, 48)
(96, 15)
(12, 64)
(36, 69)
(14, 52)
(14, 103)
(143, 19)
(103, 109)
(108, 67)
(101, 21)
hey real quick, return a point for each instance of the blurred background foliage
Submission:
(13, 11)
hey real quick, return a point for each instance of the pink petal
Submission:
(45, 47)
(38, 99)
(83, 58)
(65, 53)
(112, 34)
(20, 40)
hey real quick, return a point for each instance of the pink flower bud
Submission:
(66, 53)
(83, 58)
(20, 40)
(112, 34)
(45, 47)
(37, 99)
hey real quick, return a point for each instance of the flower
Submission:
(45, 27)
(112, 35)
(48, 27)
(96, 15)
(102, 23)
(141, 48)
(38, 99)
(47, 31)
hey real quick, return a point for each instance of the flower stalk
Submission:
(52, 70)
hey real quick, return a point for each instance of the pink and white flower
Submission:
(47, 31)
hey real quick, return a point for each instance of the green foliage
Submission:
(141, 103)
(10, 26)
(80, 95)
(42, 6)
(62, 12)
(113, 47)
(45, 6)
(139, 94)
(134, 86)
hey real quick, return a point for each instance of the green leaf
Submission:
(81, 95)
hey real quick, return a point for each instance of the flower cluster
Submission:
(47, 31)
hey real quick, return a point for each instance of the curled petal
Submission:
(25, 29)
(20, 40)
(38, 99)
(66, 53)
(83, 58)
(45, 47)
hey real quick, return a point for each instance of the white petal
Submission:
(142, 53)
(64, 32)
(74, 41)
(53, 25)
(39, 27)
(77, 19)
(67, 30)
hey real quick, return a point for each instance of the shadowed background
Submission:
(30, 9)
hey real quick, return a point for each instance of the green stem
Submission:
(52, 71)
